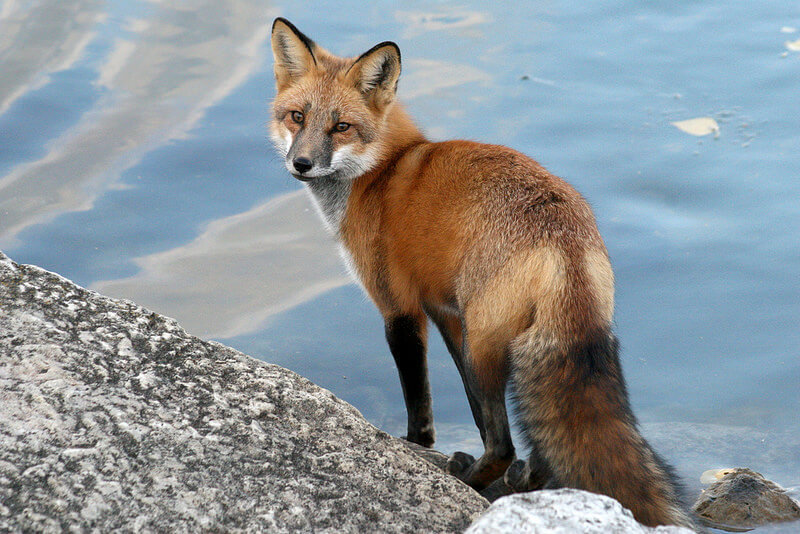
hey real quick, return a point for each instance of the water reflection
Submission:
(245, 268)
(456, 20)
(425, 77)
(174, 65)
(45, 36)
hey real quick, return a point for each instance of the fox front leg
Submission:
(406, 335)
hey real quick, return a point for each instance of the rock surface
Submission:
(114, 419)
(745, 499)
(562, 511)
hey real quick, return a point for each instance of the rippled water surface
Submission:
(134, 160)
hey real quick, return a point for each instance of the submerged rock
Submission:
(744, 499)
(114, 418)
(562, 511)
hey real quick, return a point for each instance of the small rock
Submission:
(562, 511)
(744, 499)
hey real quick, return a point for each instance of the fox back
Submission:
(503, 257)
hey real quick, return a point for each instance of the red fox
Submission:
(502, 256)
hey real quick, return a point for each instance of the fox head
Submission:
(329, 112)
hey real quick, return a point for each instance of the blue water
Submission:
(134, 159)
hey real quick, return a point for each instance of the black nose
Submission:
(302, 164)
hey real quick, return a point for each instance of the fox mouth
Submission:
(303, 178)
(306, 178)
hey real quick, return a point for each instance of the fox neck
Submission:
(330, 194)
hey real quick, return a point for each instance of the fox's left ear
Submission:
(293, 52)
(375, 73)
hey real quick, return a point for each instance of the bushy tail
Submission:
(573, 404)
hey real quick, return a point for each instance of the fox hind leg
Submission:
(488, 397)
(529, 475)
(498, 447)
(488, 410)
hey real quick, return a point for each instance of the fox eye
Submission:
(297, 117)
(342, 126)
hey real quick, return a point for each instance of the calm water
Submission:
(134, 160)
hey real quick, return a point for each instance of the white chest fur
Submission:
(330, 202)
(329, 196)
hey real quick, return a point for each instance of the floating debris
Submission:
(788, 29)
(794, 46)
(699, 126)
(713, 475)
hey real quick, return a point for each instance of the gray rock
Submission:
(115, 419)
(745, 499)
(562, 511)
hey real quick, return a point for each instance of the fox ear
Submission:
(375, 73)
(293, 52)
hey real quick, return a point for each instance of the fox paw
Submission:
(521, 477)
(516, 476)
(459, 463)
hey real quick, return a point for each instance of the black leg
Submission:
(406, 336)
(450, 328)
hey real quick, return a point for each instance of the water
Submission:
(134, 160)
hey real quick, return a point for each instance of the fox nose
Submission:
(302, 165)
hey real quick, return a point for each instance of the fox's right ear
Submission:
(293, 52)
